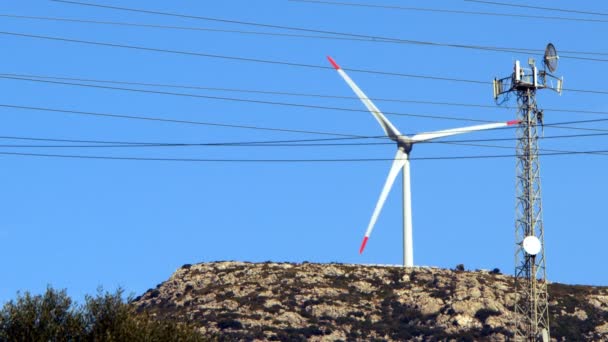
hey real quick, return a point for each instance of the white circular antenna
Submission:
(532, 245)
(551, 58)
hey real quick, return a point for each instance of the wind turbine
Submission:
(401, 161)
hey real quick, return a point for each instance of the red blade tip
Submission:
(335, 65)
(513, 122)
(363, 244)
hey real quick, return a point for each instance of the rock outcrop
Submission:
(332, 302)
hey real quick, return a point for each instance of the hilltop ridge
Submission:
(331, 302)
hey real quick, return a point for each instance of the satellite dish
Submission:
(532, 245)
(551, 58)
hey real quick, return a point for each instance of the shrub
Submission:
(104, 317)
(229, 324)
(274, 309)
(48, 317)
(483, 314)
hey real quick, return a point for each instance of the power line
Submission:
(242, 100)
(111, 144)
(240, 59)
(244, 59)
(265, 61)
(394, 7)
(147, 145)
(204, 29)
(99, 142)
(148, 118)
(252, 101)
(276, 103)
(221, 20)
(266, 143)
(292, 35)
(437, 10)
(264, 92)
(439, 117)
(350, 160)
(310, 30)
(340, 136)
(318, 31)
(295, 94)
(588, 91)
(537, 7)
(189, 122)
(251, 145)
(542, 150)
(578, 122)
(96, 144)
(428, 116)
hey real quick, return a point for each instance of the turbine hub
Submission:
(405, 145)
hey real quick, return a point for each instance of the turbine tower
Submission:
(402, 162)
(531, 303)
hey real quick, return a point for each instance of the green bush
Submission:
(483, 314)
(495, 271)
(50, 317)
(53, 316)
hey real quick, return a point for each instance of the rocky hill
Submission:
(235, 301)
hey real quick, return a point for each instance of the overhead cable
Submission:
(286, 93)
(275, 103)
(265, 61)
(338, 136)
(439, 10)
(312, 30)
(227, 160)
(189, 122)
(371, 39)
(239, 58)
(71, 143)
(554, 9)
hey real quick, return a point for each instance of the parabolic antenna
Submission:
(532, 245)
(551, 58)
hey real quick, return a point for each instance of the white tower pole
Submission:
(408, 243)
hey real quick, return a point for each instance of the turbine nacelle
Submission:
(405, 144)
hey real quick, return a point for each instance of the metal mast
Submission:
(531, 304)
(531, 308)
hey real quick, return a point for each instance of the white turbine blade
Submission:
(448, 132)
(400, 160)
(386, 125)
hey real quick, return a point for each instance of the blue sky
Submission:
(84, 223)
